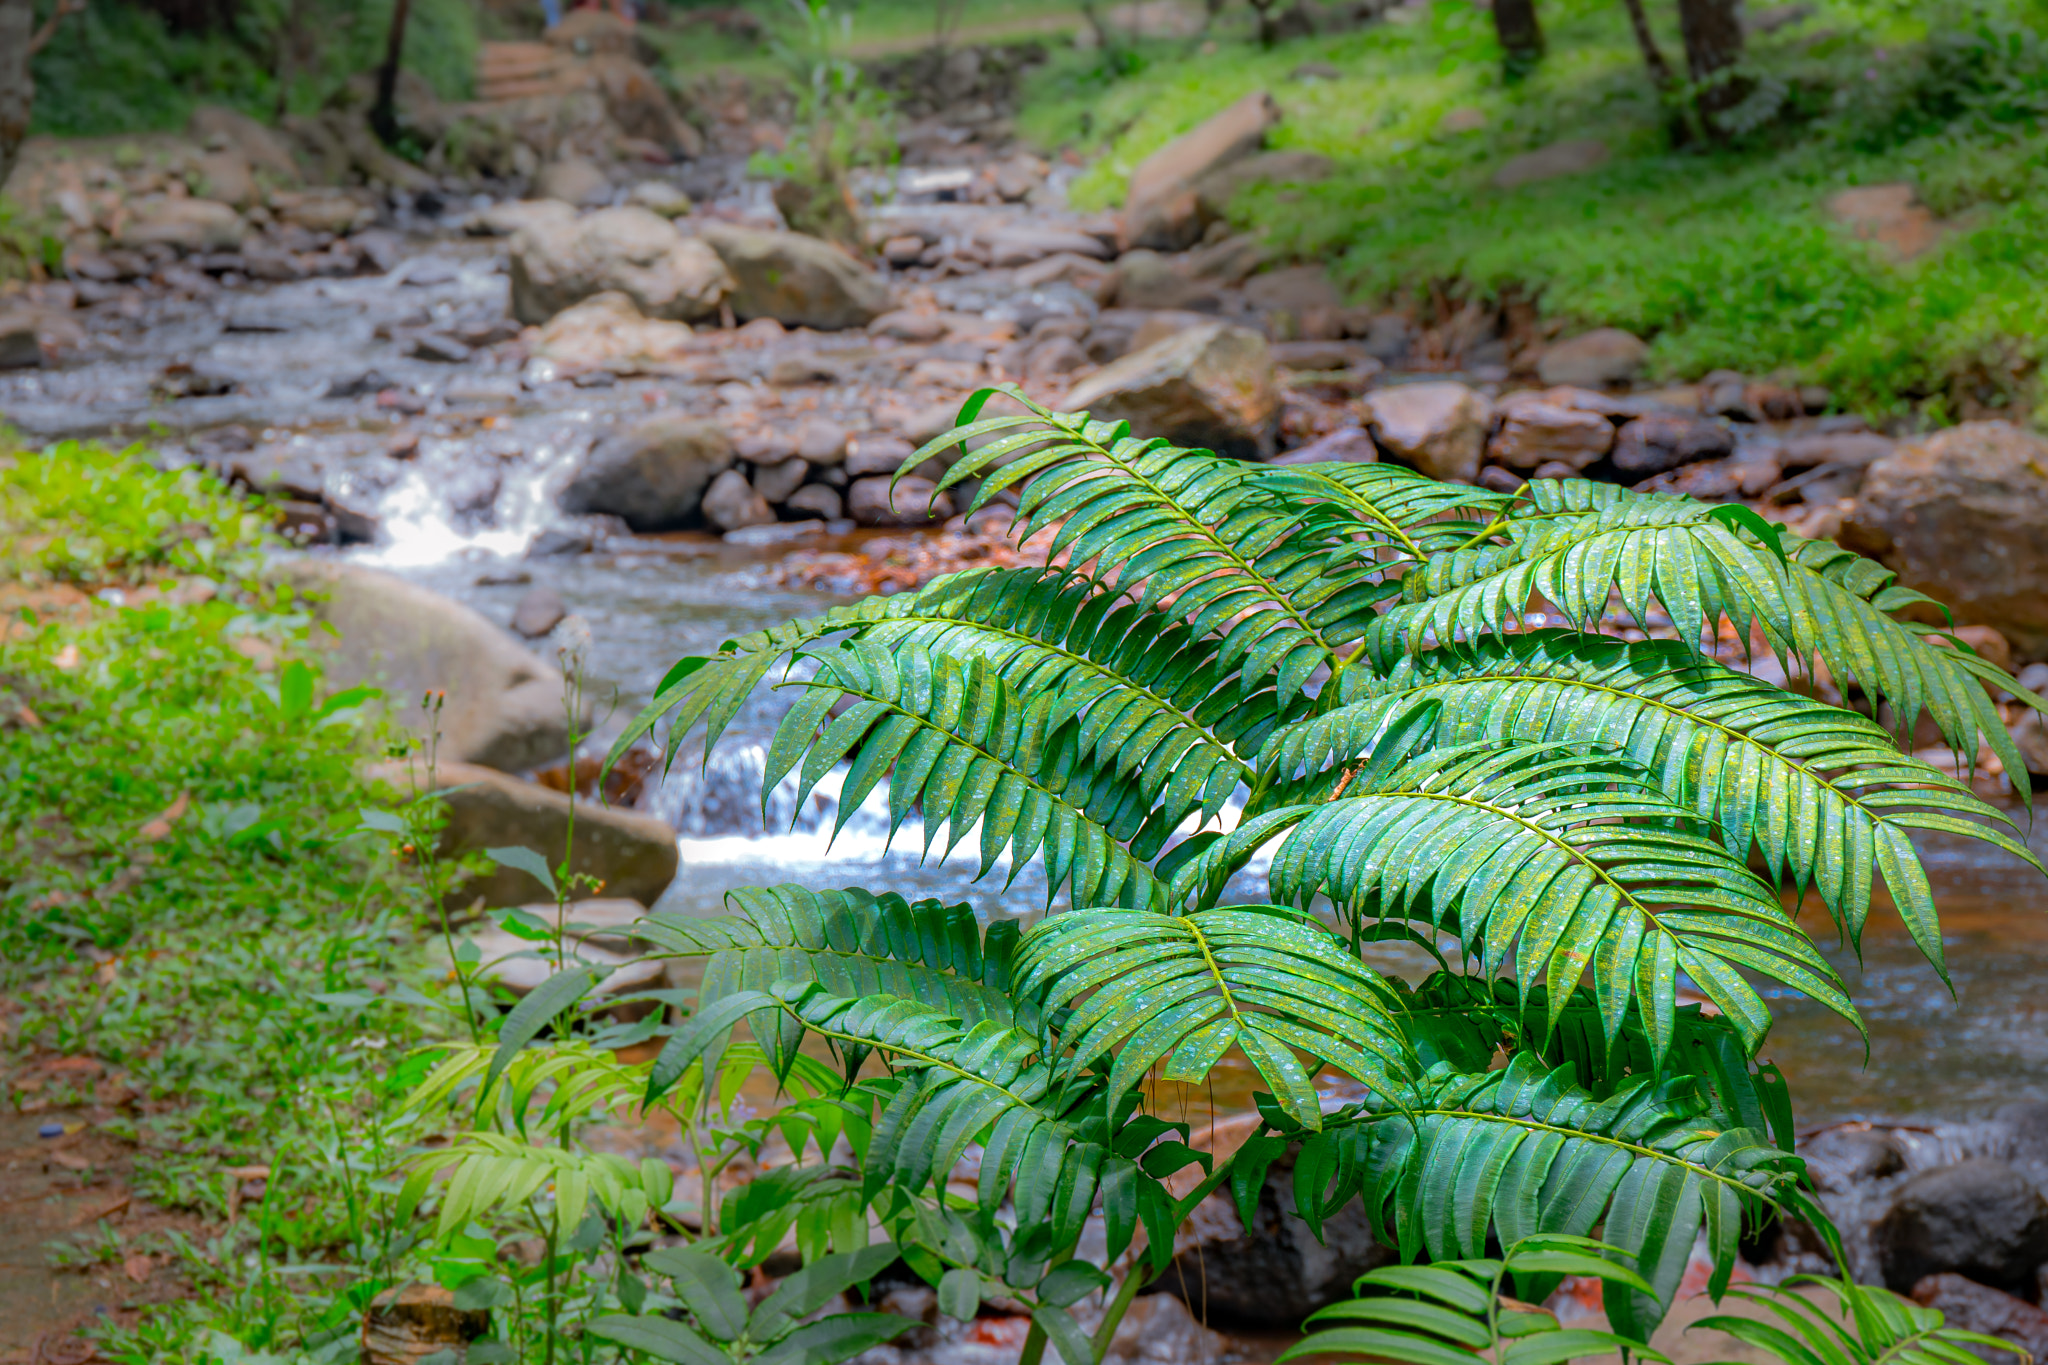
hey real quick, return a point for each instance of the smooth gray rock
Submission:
(653, 474)
(1979, 1218)
(504, 704)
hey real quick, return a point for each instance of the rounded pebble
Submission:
(50, 1130)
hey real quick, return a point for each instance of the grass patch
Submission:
(1721, 258)
(186, 894)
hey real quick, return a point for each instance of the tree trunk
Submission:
(1713, 48)
(1521, 36)
(384, 114)
(1653, 56)
(17, 85)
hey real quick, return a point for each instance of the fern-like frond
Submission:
(1466, 1021)
(1554, 858)
(1526, 1150)
(853, 943)
(958, 742)
(1183, 990)
(1408, 514)
(1048, 1144)
(1579, 543)
(1821, 793)
(1282, 585)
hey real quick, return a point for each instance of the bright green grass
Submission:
(1725, 259)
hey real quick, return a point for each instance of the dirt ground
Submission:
(70, 1191)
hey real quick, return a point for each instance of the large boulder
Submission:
(632, 855)
(191, 226)
(1661, 441)
(1210, 385)
(504, 705)
(1276, 1272)
(1979, 1218)
(1973, 1307)
(1534, 431)
(797, 280)
(557, 262)
(1437, 427)
(1959, 516)
(606, 332)
(653, 474)
(573, 180)
(1163, 206)
(880, 500)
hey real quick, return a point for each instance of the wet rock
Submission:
(731, 502)
(797, 280)
(902, 251)
(1853, 449)
(404, 1326)
(439, 347)
(653, 474)
(1959, 516)
(1595, 359)
(1839, 1158)
(1554, 162)
(510, 961)
(225, 178)
(1021, 246)
(1979, 1218)
(322, 211)
(504, 705)
(817, 499)
(1300, 301)
(189, 226)
(1162, 208)
(1533, 431)
(1159, 1330)
(821, 440)
(506, 219)
(573, 180)
(539, 611)
(1149, 281)
(1346, 445)
(19, 349)
(1055, 358)
(658, 196)
(1437, 427)
(1977, 1308)
(561, 540)
(775, 482)
(557, 263)
(1276, 1272)
(905, 325)
(1324, 356)
(911, 502)
(606, 331)
(1658, 442)
(804, 367)
(632, 855)
(1209, 386)
(1497, 479)
(877, 455)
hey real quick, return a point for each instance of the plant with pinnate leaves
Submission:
(1412, 695)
